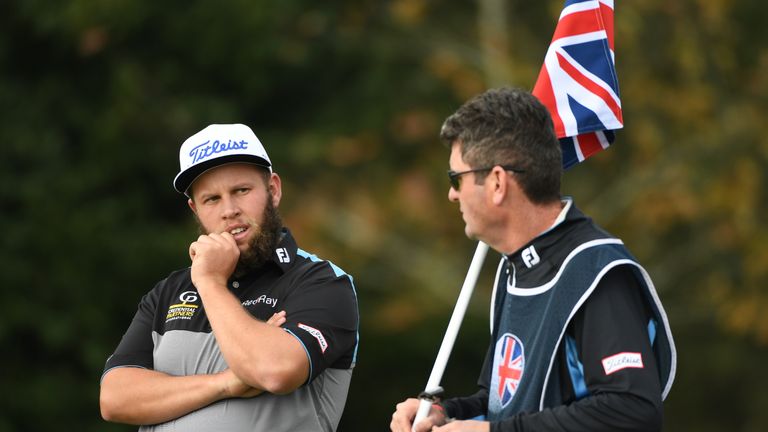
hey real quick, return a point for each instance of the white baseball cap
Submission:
(218, 144)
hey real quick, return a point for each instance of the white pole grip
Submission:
(423, 412)
(453, 328)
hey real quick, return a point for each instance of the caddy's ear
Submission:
(497, 181)
(192, 205)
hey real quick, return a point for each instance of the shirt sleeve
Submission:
(322, 314)
(611, 335)
(136, 346)
(477, 404)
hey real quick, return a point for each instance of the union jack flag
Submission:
(510, 360)
(578, 83)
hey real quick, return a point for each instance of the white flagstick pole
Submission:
(433, 384)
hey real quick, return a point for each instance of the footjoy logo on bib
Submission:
(508, 367)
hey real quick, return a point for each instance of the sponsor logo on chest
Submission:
(262, 299)
(186, 309)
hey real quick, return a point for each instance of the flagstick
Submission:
(433, 384)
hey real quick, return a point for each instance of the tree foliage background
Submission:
(348, 97)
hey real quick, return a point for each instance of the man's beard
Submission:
(263, 244)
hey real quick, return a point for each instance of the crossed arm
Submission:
(142, 396)
(138, 396)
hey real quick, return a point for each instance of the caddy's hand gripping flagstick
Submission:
(433, 384)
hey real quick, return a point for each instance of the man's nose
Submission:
(453, 194)
(230, 208)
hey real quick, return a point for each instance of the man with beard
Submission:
(257, 334)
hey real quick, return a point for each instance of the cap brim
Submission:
(185, 178)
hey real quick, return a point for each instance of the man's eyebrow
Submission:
(245, 184)
(206, 195)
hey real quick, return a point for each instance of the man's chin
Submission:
(244, 246)
(469, 233)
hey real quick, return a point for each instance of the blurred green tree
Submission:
(349, 96)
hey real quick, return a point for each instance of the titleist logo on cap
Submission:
(204, 150)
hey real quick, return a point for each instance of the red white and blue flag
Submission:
(578, 83)
(509, 362)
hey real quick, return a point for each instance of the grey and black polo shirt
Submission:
(170, 333)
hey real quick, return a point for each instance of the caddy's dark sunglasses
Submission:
(455, 177)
